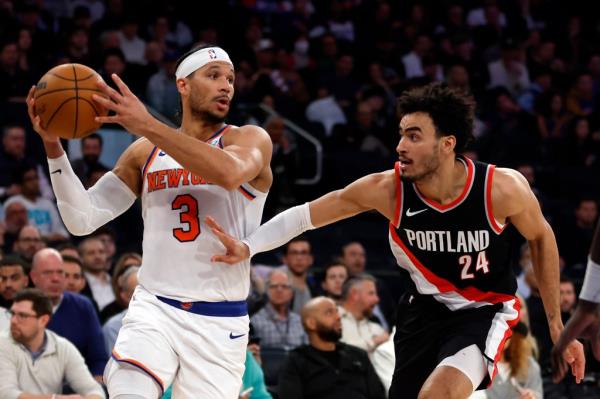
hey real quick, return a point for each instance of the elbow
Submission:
(77, 229)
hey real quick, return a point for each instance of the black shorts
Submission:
(427, 332)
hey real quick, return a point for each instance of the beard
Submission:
(430, 165)
(328, 334)
(203, 114)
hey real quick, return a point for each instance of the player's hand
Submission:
(35, 119)
(584, 323)
(527, 394)
(129, 111)
(573, 356)
(237, 251)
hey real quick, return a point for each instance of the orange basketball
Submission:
(63, 100)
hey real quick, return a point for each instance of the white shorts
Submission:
(471, 362)
(202, 356)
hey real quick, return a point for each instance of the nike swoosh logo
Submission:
(231, 336)
(409, 213)
(59, 171)
(161, 154)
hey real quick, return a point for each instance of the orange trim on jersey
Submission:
(443, 285)
(246, 193)
(507, 334)
(220, 134)
(488, 201)
(398, 211)
(468, 184)
(151, 158)
(139, 365)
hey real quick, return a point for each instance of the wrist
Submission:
(53, 149)
(555, 331)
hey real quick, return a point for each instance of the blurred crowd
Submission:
(333, 68)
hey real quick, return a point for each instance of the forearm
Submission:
(544, 254)
(210, 162)
(32, 396)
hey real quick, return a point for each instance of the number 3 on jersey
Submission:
(188, 215)
(466, 260)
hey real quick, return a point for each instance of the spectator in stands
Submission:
(29, 241)
(95, 270)
(575, 237)
(77, 46)
(359, 297)
(108, 236)
(568, 298)
(74, 315)
(4, 320)
(35, 361)
(326, 110)
(298, 259)
(509, 71)
(42, 212)
(519, 373)
(413, 60)
(13, 160)
(127, 283)
(67, 248)
(275, 324)
(334, 276)
(579, 149)
(91, 151)
(327, 368)
(580, 99)
(552, 115)
(125, 261)
(13, 278)
(132, 45)
(74, 280)
(161, 90)
(15, 217)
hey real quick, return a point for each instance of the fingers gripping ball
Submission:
(63, 100)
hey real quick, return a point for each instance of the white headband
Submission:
(200, 58)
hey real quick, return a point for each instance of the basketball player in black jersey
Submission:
(447, 218)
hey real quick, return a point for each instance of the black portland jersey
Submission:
(458, 253)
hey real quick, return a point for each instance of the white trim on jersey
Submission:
(495, 225)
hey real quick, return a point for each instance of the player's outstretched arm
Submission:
(513, 199)
(239, 162)
(585, 322)
(374, 191)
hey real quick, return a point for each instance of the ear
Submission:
(45, 319)
(182, 86)
(448, 143)
(311, 324)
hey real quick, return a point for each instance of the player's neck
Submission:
(202, 130)
(445, 184)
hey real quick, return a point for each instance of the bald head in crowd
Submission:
(48, 274)
(321, 322)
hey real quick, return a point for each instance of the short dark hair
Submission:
(14, 260)
(452, 113)
(41, 303)
(93, 136)
(333, 263)
(300, 238)
(565, 279)
(354, 281)
(72, 259)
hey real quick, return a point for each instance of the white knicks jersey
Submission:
(178, 244)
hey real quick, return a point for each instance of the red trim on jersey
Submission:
(246, 193)
(443, 285)
(445, 207)
(149, 161)
(398, 212)
(139, 365)
(507, 334)
(488, 201)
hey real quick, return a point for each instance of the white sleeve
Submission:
(280, 229)
(84, 211)
(590, 291)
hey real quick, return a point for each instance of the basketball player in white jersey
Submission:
(187, 324)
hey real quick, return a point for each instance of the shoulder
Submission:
(352, 351)
(139, 149)
(77, 301)
(510, 191)
(248, 135)
(6, 344)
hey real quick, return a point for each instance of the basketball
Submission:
(63, 100)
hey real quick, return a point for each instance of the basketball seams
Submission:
(76, 101)
(57, 110)
(66, 89)
(72, 80)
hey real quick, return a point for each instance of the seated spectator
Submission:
(42, 212)
(127, 283)
(108, 236)
(568, 298)
(161, 90)
(4, 320)
(74, 315)
(253, 380)
(15, 217)
(67, 248)
(383, 359)
(125, 261)
(35, 361)
(29, 241)
(74, 280)
(275, 323)
(298, 259)
(95, 270)
(519, 374)
(91, 150)
(13, 278)
(509, 71)
(327, 368)
(359, 297)
(334, 276)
